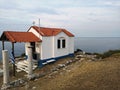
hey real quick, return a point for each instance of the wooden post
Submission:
(3, 47)
(14, 58)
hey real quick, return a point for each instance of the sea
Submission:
(97, 44)
(87, 44)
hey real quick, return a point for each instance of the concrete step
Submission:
(44, 63)
(50, 61)
(53, 60)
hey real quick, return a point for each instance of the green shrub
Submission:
(108, 53)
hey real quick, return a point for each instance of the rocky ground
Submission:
(75, 74)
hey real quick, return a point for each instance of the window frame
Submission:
(61, 43)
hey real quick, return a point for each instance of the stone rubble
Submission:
(18, 82)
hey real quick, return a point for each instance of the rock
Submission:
(55, 72)
(89, 60)
(12, 84)
(68, 70)
(32, 77)
(41, 75)
(74, 60)
(67, 63)
(21, 81)
(78, 56)
(64, 69)
(82, 59)
(17, 83)
(61, 66)
(70, 61)
(36, 76)
(55, 69)
(33, 87)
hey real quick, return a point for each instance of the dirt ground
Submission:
(85, 75)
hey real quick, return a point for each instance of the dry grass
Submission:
(86, 75)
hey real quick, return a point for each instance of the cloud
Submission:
(113, 3)
(8, 4)
(42, 10)
(94, 21)
(79, 16)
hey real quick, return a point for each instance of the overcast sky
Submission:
(84, 18)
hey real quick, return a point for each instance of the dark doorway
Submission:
(33, 46)
(33, 50)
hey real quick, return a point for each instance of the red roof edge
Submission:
(58, 30)
(9, 36)
(14, 36)
(68, 33)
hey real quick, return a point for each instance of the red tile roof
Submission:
(19, 36)
(51, 31)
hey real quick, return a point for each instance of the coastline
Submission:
(92, 44)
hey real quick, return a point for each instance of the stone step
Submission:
(18, 70)
(23, 66)
(22, 69)
(26, 66)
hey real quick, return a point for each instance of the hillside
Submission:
(80, 75)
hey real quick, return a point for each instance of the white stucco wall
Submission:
(26, 47)
(38, 47)
(47, 47)
(69, 45)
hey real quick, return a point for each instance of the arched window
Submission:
(61, 43)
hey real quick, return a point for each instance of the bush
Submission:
(88, 53)
(107, 54)
(78, 50)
